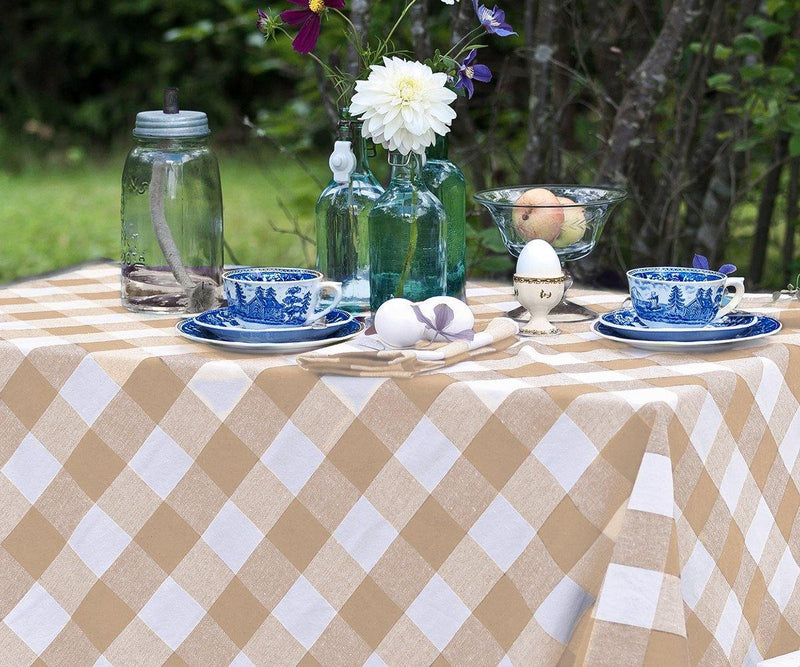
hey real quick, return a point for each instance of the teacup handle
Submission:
(337, 297)
(738, 286)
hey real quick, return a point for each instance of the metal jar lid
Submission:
(158, 124)
(170, 122)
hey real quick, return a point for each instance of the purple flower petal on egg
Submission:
(444, 315)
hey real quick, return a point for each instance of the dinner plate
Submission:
(764, 326)
(225, 325)
(627, 324)
(190, 329)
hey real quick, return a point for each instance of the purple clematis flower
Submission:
(309, 20)
(493, 20)
(701, 262)
(467, 71)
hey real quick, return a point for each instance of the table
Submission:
(566, 500)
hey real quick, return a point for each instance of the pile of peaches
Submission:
(539, 214)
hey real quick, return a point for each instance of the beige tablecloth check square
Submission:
(564, 500)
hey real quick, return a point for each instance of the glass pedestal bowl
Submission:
(572, 228)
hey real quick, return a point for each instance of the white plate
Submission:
(190, 329)
(764, 326)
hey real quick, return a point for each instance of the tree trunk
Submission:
(766, 209)
(420, 31)
(463, 21)
(792, 221)
(646, 87)
(540, 50)
(359, 15)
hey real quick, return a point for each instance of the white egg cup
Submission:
(539, 295)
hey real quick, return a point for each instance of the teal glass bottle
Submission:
(408, 237)
(342, 228)
(445, 180)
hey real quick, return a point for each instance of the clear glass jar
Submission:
(171, 210)
(342, 214)
(407, 230)
(445, 180)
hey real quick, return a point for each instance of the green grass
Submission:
(52, 216)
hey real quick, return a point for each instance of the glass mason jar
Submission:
(172, 249)
(445, 180)
(407, 231)
(342, 214)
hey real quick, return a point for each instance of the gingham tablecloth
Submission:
(568, 500)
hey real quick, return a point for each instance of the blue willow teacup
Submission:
(278, 296)
(670, 296)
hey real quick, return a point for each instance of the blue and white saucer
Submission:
(225, 325)
(624, 322)
(189, 328)
(764, 326)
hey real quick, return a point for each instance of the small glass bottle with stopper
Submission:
(171, 210)
(342, 213)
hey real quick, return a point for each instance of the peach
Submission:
(574, 226)
(537, 215)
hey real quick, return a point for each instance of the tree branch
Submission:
(646, 87)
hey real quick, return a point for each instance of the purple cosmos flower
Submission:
(309, 19)
(467, 71)
(493, 20)
(701, 262)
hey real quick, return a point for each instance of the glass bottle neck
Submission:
(406, 169)
(438, 151)
(350, 130)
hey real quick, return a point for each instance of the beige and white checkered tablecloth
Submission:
(567, 500)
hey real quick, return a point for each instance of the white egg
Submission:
(539, 260)
(463, 318)
(397, 325)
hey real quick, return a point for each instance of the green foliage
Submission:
(85, 68)
(763, 75)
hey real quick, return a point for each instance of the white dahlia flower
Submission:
(404, 105)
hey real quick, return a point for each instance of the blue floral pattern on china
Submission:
(277, 296)
(193, 331)
(764, 326)
(272, 275)
(625, 322)
(676, 296)
(678, 275)
(266, 306)
(226, 325)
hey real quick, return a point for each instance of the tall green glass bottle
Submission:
(447, 182)
(342, 214)
(408, 236)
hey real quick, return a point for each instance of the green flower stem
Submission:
(356, 38)
(412, 247)
(399, 21)
(466, 37)
(413, 237)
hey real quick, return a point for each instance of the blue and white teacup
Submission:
(278, 296)
(670, 296)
